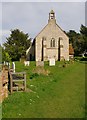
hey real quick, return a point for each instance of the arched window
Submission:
(52, 43)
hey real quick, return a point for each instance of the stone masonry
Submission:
(51, 42)
(3, 84)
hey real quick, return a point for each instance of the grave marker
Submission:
(52, 62)
(7, 63)
(26, 63)
(39, 63)
(13, 66)
(4, 62)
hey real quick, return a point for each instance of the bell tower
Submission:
(52, 16)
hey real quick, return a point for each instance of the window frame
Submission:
(52, 43)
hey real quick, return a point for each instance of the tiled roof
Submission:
(71, 49)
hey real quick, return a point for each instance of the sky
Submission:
(85, 13)
(31, 17)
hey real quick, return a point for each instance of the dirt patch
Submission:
(40, 70)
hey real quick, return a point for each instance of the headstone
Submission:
(26, 63)
(13, 66)
(4, 62)
(7, 63)
(51, 62)
(83, 55)
(39, 63)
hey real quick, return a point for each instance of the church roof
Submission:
(47, 25)
(71, 49)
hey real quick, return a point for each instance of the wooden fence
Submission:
(17, 81)
(9, 81)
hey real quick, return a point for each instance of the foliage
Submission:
(83, 31)
(4, 56)
(17, 44)
(78, 40)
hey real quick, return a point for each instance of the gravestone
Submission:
(39, 63)
(7, 63)
(13, 66)
(26, 63)
(52, 62)
(4, 62)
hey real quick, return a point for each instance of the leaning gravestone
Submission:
(39, 63)
(13, 66)
(52, 62)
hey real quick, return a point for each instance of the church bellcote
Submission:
(51, 16)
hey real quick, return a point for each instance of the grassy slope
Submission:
(59, 95)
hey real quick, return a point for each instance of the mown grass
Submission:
(61, 94)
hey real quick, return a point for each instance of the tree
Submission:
(17, 44)
(78, 40)
(74, 39)
(72, 36)
(83, 31)
(4, 56)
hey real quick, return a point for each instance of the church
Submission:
(51, 43)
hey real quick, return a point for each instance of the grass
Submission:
(61, 94)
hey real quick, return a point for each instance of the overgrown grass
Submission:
(61, 94)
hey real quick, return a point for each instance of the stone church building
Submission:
(51, 42)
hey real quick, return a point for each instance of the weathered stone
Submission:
(51, 42)
(39, 63)
(3, 84)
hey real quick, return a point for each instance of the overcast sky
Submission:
(31, 17)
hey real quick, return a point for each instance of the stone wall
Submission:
(3, 84)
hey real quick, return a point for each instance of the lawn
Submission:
(61, 94)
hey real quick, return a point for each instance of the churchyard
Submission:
(51, 92)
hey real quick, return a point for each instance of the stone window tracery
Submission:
(52, 43)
